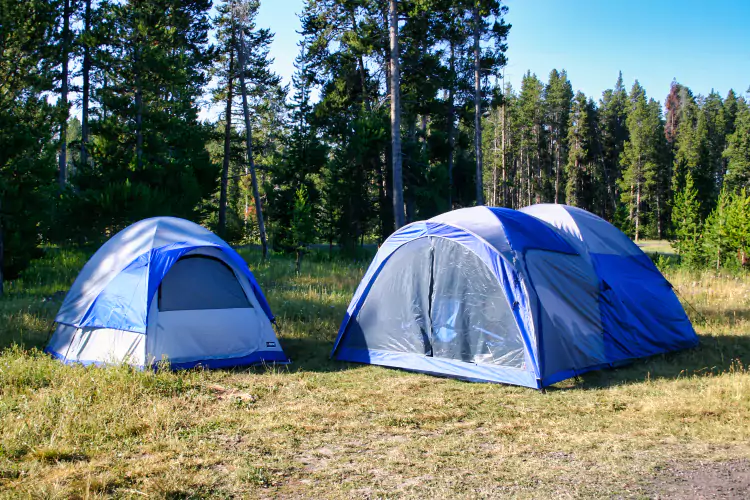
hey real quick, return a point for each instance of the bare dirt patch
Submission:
(704, 480)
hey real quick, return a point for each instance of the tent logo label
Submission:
(270, 344)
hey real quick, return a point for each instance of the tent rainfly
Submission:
(166, 288)
(527, 297)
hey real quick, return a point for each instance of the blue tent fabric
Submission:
(575, 317)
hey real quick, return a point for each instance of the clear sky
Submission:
(703, 44)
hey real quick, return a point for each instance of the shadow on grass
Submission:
(715, 355)
(312, 356)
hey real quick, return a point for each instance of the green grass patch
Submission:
(323, 429)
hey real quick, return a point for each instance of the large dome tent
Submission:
(165, 288)
(490, 294)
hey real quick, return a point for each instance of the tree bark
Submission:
(249, 146)
(477, 106)
(139, 111)
(505, 179)
(227, 148)
(64, 97)
(398, 185)
(557, 166)
(86, 70)
(386, 204)
(637, 210)
(361, 66)
(451, 124)
(494, 163)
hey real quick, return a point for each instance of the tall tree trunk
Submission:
(494, 163)
(637, 210)
(360, 65)
(139, 110)
(386, 204)
(86, 70)
(505, 179)
(249, 146)
(64, 96)
(451, 120)
(477, 105)
(398, 185)
(557, 170)
(227, 148)
(658, 213)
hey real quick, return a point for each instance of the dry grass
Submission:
(322, 429)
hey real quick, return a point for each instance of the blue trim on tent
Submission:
(440, 366)
(255, 358)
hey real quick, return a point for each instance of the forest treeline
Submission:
(99, 126)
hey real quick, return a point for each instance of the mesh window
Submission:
(471, 318)
(198, 282)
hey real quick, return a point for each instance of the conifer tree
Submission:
(581, 138)
(642, 159)
(558, 95)
(532, 139)
(717, 244)
(686, 220)
(27, 126)
(256, 82)
(738, 149)
(613, 135)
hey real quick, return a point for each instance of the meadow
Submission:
(676, 425)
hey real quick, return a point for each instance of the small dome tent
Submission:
(496, 295)
(165, 287)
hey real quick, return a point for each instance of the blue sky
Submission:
(703, 44)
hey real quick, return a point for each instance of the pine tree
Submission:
(613, 135)
(580, 188)
(673, 105)
(256, 81)
(301, 167)
(303, 224)
(395, 79)
(532, 140)
(487, 24)
(28, 123)
(642, 159)
(737, 152)
(152, 59)
(693, 153)
(686, 220)
(717, 245)
(558, 95)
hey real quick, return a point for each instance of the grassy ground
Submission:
(323, 429)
